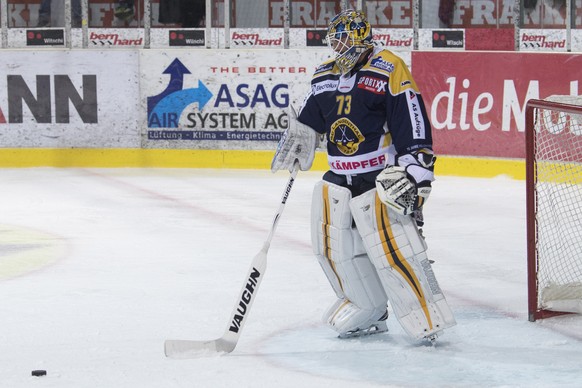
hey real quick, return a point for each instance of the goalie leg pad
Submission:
(339, 250)
(398, 252)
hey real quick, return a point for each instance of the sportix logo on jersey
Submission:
(372, 84)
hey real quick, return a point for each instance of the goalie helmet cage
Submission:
(554, 206)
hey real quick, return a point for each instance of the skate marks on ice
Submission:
(485, 349)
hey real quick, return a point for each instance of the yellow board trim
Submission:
(479, 167)
(243, 159)
(559, 172)
(134, 157)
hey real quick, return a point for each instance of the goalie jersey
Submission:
(370, 116)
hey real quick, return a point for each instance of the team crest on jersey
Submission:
(381, 64)
(346, 136)
(372, 84)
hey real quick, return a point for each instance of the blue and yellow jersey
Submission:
(368, 117)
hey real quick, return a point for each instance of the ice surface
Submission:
(99, 266)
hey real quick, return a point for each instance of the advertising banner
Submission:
(500, 13)
(476, 100)
(66, 99)
(318, 13)
(493, 39)
(232, 99)
(25, 13)
(542, 40)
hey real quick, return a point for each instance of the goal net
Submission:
(554, 205)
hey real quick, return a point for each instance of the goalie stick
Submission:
(190, 348)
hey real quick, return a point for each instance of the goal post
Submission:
(554, 206)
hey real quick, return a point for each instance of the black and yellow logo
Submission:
(23, 250)
(346, 136)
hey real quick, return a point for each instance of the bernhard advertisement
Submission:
(66, 99)
(476, 101)
(234, 99)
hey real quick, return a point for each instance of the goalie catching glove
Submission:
(297, 143)
(406, 186)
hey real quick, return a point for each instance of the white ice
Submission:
(99, 266)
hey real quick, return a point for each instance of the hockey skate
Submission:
(431, 339)
(377, 327)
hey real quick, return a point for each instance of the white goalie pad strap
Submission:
(298, 142)
(349, 271)
(396, 248)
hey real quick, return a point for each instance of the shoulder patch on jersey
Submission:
(387, 63)
(382, 64)
(384, 60)
(324, 67)
(323, 80)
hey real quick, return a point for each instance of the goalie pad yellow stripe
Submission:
(326, 232)
(398, 252)
(395, 257)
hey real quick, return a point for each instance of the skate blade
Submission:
(363, 333)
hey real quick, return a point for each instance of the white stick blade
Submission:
(193, 349)
(184, 349)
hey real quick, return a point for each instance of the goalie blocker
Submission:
(383, 259)
(298, 143)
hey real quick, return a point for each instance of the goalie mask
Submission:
(349, 34)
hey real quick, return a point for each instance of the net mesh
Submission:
(558, 193)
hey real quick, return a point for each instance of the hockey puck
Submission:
(39, 372)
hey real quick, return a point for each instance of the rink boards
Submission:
(228, 108)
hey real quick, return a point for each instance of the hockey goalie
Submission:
(367, 210)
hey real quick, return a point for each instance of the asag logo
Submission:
(165, 109)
